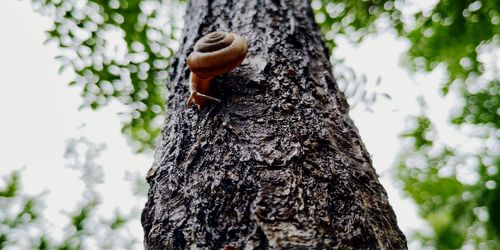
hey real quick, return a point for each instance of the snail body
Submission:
(214, 54)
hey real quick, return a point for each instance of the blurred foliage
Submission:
(482, 106)
(121, 50)
(18, 211)
(454, 186)
(356, 87)
(24, 226)
(354, 20)
(453, 32)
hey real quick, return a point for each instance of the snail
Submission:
(214, 54)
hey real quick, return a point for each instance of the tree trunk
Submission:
(279, 163)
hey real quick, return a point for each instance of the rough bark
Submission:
(279, 163)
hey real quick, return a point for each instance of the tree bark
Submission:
(279, 163)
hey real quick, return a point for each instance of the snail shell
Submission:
(217, 53)
(214, 54)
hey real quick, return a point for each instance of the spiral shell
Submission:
(217, 53)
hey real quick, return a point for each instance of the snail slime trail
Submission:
(214, 54)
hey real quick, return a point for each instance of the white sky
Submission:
(39, 112)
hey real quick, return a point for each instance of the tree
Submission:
(278, 163)
(459, 37)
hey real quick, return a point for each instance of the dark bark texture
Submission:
(278, 164)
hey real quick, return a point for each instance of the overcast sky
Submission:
(39, 112)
